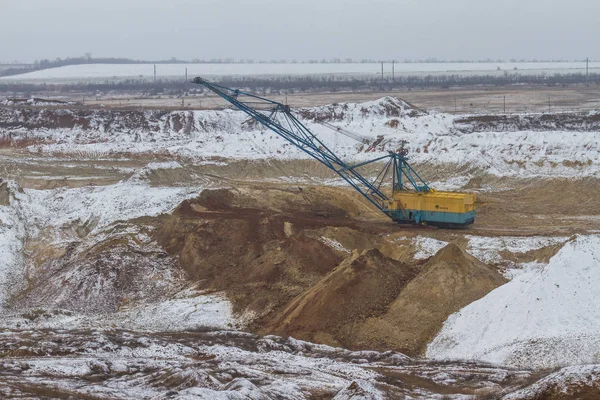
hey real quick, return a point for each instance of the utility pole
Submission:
(186, 82)
(587, 62)
(382, 76)
(454, 104)
(393, 61)
(505, 104)
(548, 104)
(155, 74)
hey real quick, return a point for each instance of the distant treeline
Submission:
(344, 83)
(299, 84)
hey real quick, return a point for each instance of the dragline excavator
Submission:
(410, 200)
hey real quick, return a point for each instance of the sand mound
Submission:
(261, 259)
(448, 281)
(361, 286)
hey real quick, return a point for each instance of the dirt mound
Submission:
(448, 281)
(260, 258)
(393, 245)
(322, 278)
(216, 199)
(317, 201)
(361, 286)
(264, 247)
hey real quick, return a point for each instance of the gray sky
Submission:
(300, 29)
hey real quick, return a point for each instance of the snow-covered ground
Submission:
(433, 139)
(227, 365)
(488, 249)
(87, 216)
(100, 205)
(101, 72)
(545, 317)
(182, 313)
(427, 247)
(562, 382)
(12, 243)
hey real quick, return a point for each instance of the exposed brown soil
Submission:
(4, 193)
(362, 286)
(262, 258)
(449, 281)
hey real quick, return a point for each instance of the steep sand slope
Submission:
(449, 281)
(361, 286)
(371, 301)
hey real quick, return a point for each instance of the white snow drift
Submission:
(545, 317)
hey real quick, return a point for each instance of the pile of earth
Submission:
(371, 301)
(303, 269)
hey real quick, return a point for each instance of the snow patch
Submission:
(163, 165)
(206, 311)
(580, 375)
(427, 247)
(99, 206)
(488, 249)
(334, 244)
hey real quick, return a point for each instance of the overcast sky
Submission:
(300, 29)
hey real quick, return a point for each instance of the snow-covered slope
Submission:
(12, 243)
(547, 316)
(99, 206)
(228, 365)
(574, 382)
(558, 149)
(73, 226)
